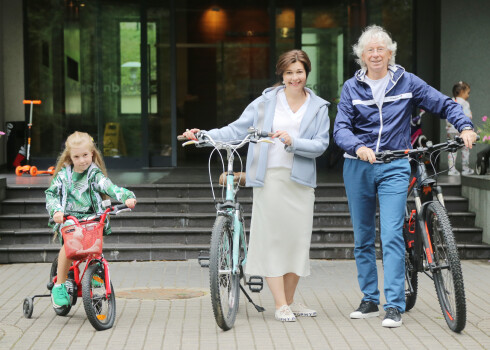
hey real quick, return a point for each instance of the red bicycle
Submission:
(89, 275)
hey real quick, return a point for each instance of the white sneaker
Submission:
(468, 172)
(298, 309)
(453, 171)
(285, 314)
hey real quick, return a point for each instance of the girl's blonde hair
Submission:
(79, 139)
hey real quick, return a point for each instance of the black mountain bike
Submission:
(429, 239)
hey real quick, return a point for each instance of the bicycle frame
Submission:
(77, 276)
(232, 208)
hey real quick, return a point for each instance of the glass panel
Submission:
(81, 83)
(285, 26)
(159, 104)
(130, 61)
(222, 61)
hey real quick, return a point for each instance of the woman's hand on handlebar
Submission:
(366, 154)
(283, 136)
(469, 137)
(130, 203)
(58, 217)
(190, 134)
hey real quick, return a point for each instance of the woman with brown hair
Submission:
(283, 177)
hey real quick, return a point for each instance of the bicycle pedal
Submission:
(203, 258)
(255, 284)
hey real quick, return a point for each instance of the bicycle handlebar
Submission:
(112, 210)
(450, 145)
(204, 139)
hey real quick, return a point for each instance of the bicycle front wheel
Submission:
(99, 307)
(448, 276)
(224, 284)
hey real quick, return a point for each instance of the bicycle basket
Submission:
(83, 240)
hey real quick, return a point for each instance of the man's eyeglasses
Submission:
(379, 50)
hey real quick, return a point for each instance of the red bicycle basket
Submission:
(83, 240)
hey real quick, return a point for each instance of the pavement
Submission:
(145, 320)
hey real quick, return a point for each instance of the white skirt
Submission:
(282, 222)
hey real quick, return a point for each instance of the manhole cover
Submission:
(160, 293)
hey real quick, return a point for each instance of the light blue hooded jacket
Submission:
(311, 143)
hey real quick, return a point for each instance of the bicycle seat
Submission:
(239, 178)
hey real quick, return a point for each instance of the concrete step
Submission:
(165, 219)
(24, 253)
(199, 190)
(195, 235)
(201, 205)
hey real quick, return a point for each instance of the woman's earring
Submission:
(283, 83)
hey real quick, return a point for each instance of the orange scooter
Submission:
(21, 169)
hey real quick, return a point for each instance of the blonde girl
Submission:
(79, 184)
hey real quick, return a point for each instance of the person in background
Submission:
(283, 177)
(461, 93)
(373, 116)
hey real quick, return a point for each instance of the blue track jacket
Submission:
(361, 122)
(311, 143)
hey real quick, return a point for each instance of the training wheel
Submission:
(51, 170)
(28, 307)
(33, 171)
(18, 170)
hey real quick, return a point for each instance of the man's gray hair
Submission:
(378, 33)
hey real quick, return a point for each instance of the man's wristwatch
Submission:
(467, 128)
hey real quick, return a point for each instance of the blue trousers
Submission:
(390, 182)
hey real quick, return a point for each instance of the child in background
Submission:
(79, 183)
(461, 93)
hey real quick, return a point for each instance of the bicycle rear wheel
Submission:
(224, 284)
(99, 307)
(411, 272)
(64, 310)
(448, 276)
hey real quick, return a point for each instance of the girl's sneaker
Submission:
(59, 296)
(298, 309)
(285, 314)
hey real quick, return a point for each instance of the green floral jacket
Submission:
(82, 198)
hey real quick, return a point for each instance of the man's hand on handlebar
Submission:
(366, 154)
(469, 137)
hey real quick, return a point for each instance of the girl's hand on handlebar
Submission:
(283, 137)
(190, 134)
(366, 154)
(469, 137)
(58, 217)
(130, 203)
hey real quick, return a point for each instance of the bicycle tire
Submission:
(448, 278)
(224, 285)
(64, 310)
(411, 276)
(100, 309)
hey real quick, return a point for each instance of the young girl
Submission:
(461, 93)
(79, 182)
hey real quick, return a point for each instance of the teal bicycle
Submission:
(228, 248)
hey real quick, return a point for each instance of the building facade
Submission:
(134, 74)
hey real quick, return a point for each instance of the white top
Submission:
(466, 110)
(285, 119)
(378, 87)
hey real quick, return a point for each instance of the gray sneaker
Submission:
(392, 319)
(367, 309)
